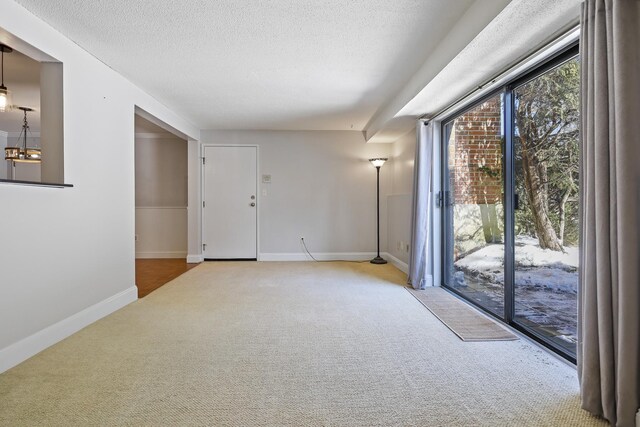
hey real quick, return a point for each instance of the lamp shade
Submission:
(5, 102)
(21, 155)
(378, 162)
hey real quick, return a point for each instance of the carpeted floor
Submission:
(300, 344)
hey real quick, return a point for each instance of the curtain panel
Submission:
(421, 206)
(609, 294)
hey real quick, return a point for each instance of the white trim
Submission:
(194, 132)
(158, 135)
(195, 259)
(321, 256)
(167, 254)
(400, 265)
(161, 207)
(30, 346)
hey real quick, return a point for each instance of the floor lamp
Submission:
(378, 163)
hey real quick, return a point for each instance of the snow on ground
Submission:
(535, 267)
(546, 284)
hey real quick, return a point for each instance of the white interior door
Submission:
(229, 215)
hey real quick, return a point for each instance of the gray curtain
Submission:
(609, 298)
(422, 206)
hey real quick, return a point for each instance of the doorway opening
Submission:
(161, 190)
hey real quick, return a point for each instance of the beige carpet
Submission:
(463, 320)
(299, 344)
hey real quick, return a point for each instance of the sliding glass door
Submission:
(474, 177)
(510, 199)
(546, 122)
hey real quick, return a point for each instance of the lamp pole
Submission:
(378, 163)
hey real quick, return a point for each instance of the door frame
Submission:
(444, 191)
(258, 191)
(508, 171)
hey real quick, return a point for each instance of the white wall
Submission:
(323, 188)
(194, 204)
(399, 200)
(161, 196)
(4, 165)
(68, 257)
(161, 232)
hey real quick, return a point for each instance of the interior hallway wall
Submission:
(69, 257)
(161, 196)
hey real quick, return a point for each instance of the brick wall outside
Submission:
(475, 156)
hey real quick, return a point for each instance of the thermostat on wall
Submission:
(266, 179)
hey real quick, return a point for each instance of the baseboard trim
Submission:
(195, 259)
(400, 265)
(147, 255)
(30, 346)
(322, 256)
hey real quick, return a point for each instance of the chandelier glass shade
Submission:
(5, 101)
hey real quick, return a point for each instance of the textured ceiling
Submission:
(246, 64)
(521, 28)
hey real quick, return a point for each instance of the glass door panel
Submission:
(474, 239)
(545, 145)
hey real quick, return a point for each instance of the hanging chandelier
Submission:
(23, 154)
(5, 103)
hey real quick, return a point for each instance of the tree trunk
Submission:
(562, 213)
(535, 182)
(490, 227)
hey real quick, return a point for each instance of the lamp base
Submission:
(378, 260)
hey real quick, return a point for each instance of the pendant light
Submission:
(23, 154)
(4, 93)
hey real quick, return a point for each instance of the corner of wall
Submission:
(195, 259)
(34, 344)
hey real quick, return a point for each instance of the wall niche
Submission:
(31, 115)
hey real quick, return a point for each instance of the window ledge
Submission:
(34, 184)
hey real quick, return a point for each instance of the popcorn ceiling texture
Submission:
(242, 64)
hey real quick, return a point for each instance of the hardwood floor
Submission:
(153, 273)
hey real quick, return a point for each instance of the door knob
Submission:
(253, 204)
